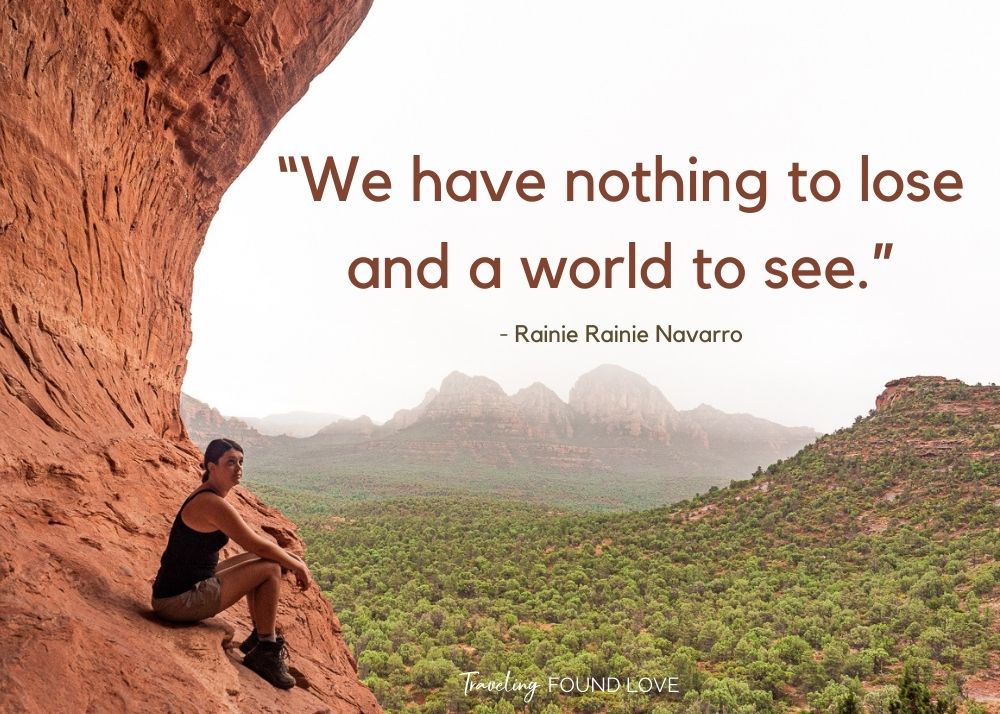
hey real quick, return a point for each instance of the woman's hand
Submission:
(302, 575)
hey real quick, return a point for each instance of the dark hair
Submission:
(214, 451)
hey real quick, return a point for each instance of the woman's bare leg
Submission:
(265, 603)
(250, 607)
(261, 579)
(233, 562)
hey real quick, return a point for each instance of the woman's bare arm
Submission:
(227, 519)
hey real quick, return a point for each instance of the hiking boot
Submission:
(268, 660)
(250, 642)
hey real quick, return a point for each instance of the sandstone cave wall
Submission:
(121, 125)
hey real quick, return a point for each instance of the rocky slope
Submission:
(122, 124)
(912, 489)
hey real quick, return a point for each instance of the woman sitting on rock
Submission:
(192, 584)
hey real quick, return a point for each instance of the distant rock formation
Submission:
(544, 414)
(122, 124)
(349, 431)
(756, 440)
(612, 401)
(897, 389)
(471, 405)
(931, 401)
(205, 423)
(407, 417)
(616, 422)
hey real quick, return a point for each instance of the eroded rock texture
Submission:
(121, 125)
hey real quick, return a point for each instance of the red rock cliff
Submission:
(122, 123)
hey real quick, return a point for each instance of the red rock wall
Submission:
(121, 125)
(899, 388)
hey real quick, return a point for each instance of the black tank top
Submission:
(190, 556)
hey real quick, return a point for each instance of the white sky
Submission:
(567, 85)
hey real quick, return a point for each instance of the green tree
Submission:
(849, 705)
(915, 697)
(431, 673)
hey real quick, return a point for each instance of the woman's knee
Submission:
(241, 559)
(271, 569)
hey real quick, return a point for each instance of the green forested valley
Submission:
(860, 575)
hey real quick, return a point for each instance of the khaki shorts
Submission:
(201, 601)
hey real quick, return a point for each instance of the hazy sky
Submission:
(555, 86)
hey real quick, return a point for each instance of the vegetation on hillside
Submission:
(806, 588)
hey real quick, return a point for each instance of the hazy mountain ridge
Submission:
(299, 424)
(204, 423)
(610, 409)
(608, 402)
(618, 439)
